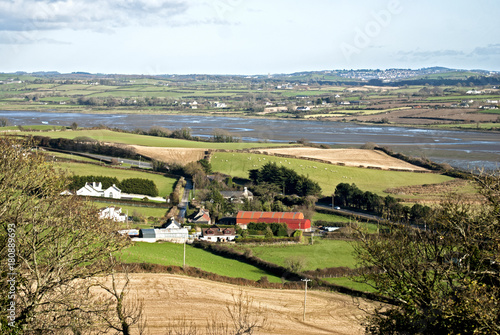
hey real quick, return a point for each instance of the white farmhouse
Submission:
(113, 213)
(95, 190)
(91, 190)
(113, 192)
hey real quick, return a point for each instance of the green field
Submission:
(322, 254)
(351, 283)
(486, 125)
(329, 217)
(152, 141)
(34, 127)
(57, 155)
(165, 185)
(327, 175)
(172, 254)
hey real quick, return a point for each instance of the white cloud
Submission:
(96, 15)
(489, 50)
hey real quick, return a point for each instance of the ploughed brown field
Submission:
(171, 298)
(171, 155)
(349, 157)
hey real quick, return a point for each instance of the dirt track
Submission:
(349, 157)
(171, 297)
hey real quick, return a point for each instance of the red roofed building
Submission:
(294, 220)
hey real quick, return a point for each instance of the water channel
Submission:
(462, 149)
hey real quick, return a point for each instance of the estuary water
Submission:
(462, 149)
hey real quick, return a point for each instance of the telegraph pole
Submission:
(184, 260)
(305, 298)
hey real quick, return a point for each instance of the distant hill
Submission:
(436, 75)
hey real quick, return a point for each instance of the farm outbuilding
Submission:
(175, 235)
(294, 220)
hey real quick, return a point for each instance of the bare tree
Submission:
(124, 312)
(51, 247)
(244, 319)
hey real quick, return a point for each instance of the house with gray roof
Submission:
(237, 196)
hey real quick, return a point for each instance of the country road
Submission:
(185, 200)
(351, 213)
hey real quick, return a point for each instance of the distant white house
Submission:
(237, 196)
(303, 109)
(91, 190)
(474, 92)
(216, 234)
(219, 104)
(113, 213)
(95, 190)
(112, 192)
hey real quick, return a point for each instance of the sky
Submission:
(246, 37)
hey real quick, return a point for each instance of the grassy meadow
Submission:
(105, 135)
(327, 175)
(82, 159)
(172, 254)
(321, 254)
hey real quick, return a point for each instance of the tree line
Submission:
(349, 195)
(85, 144)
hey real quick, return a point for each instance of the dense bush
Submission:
(278, 229)
(139, 186)
(287, 179)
